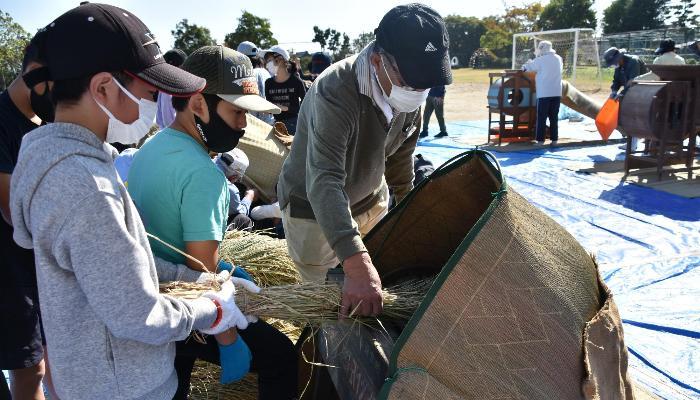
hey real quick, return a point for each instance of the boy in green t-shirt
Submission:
(183, 199)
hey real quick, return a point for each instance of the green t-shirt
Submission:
(180, 193)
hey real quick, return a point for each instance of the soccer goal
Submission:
(578, 49)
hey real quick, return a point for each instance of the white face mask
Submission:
(271, 67)
(402, 99)
(118, 131)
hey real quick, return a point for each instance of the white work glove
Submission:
(252, 288)
(207, 277)
(231, 315)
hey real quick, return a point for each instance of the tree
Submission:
(634, 15)
(522, 19)
(345, 48)
(190, 37)
(684, 13)
(646, 14)
(253, 29)
(13, 40)
(564, 14)
(321, 37)
(500, 29)
(362, 41)
(614, 15)
(336, 42)
(465, 36)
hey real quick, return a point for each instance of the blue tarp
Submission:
(646, 242)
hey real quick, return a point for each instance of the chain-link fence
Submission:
(644, 43)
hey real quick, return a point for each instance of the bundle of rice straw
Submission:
(205, 384)
(265, 258)
(310, 303)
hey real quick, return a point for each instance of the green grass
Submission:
(586, 78)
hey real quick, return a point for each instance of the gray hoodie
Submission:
(108, 331)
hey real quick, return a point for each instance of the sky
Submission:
(292, 21)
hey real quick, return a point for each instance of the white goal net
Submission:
(578, 49)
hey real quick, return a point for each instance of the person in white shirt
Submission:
(261, 75)
(667, 54)
(548, 66)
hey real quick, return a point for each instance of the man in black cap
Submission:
(667, 54)
(109, 332)
(627, 67)
(356, 134)
(319, 62)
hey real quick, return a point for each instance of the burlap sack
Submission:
(517, 310)
(266, 151)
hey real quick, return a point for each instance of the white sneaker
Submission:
(554, 143)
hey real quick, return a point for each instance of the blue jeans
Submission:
(548, 107)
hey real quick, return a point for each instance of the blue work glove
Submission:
(224, 266)
(235, 361)
(236, 270)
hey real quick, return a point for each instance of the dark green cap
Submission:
(229, 75)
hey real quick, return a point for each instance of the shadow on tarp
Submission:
(652, 202)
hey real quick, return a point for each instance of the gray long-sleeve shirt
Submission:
(110, 333)
(342, 149)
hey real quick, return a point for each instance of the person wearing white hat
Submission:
(261, 75)
(233, 164)
(548, 66)
(285, 89)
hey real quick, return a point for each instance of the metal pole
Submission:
(512, 64)
(573, 76)
(597, 59)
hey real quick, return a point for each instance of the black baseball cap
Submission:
(230, 76)
(175, 57)
(319, 62)
(93, 38)
(416, 36)
(665, 46)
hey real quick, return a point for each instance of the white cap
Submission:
(274, 49)
(544, 47)
(234, 162)
(248, 48)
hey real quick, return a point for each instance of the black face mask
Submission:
(42, 105)
(217, 135)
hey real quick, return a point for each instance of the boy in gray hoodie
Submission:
(110, 333)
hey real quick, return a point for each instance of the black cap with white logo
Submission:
(93, 38)
(416, 36)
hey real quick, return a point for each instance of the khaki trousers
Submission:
(307, 244)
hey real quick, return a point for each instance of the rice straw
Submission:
(310, 303)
